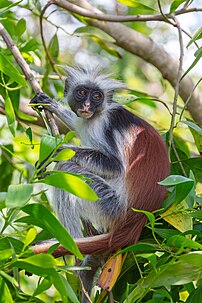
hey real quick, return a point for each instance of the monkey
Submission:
(123, 155)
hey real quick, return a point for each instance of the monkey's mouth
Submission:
(84, 113)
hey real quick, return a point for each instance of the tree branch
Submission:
(68, 5)
(28, 74)
(144, 47)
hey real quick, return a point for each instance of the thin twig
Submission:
(178, 159)
(187, 101)
(178, 77)
(52, 63)
(84, 290)
(46, 19)
(28, 74)
(110, 297)
(114, 18)
(186, 4)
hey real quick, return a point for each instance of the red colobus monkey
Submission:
(123, 155)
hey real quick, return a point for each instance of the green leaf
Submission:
(175, 180)
(21, 27)
(64, 155)
(183, 242)
(72, 184)
(29, 134)
(54, 47)
(183, 186)
(42, 265)
(138, 5)
(149, 215)
(6, 254)
(138, 247)
(198, 55)
(5, 296)
(68, 137)
(2, 200)
(47, 146)
(50, 223)
(40, 260)
(31, 45)
(194, 126)
(175, 4)
(107, 46)
(31, 235)
(4, 6)
(166, 233)
(196, 36)
(18, 195)
(43, 286)
(185, 269)
(196, 214)
(10, 114)
(195, 296)
(9, 69)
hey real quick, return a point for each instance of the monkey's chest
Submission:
(91, 134)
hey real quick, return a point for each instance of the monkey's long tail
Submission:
(105, 243)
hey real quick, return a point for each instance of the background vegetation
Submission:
(153, 46)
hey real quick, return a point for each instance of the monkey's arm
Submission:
(68, 117)
(106, 166)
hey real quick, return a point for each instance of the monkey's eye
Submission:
(80, 92)
(97, 96)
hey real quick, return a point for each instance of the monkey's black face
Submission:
(87, 101)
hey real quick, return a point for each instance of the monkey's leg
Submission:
(87, 276)
(70, 208)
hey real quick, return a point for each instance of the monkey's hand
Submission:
(42, 100)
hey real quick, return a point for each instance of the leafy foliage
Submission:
(165, 266)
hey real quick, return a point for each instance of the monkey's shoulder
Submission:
(122, 119)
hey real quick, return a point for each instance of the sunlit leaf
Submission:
(177, 217)
(69, 136)
(72, 184)
(64, 155)
(31, 235)
(138, 5)
(6, 254)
